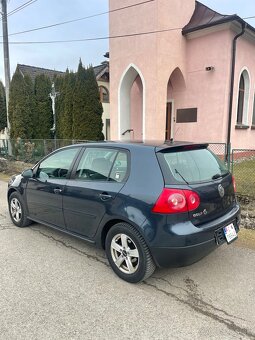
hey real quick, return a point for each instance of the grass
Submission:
(246, 239)
(4, 177)
(244, 173)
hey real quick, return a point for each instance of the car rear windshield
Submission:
(191, 166)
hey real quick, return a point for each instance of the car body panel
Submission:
(83, 208)
(44, 203)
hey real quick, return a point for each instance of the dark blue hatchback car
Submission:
(147, 205)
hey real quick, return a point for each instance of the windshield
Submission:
(191, 166)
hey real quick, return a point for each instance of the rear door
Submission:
(91, 192)
(198, 169)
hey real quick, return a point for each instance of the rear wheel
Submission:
(128, 254)
(17, 210)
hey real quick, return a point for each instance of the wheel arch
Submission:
(109, 224)
(10, 191)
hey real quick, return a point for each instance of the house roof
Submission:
(102, 71)
(204, 17)
(34, 71)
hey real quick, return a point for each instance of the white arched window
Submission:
(253, 114)
(243, 99)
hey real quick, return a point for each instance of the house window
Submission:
(243, 98)
(253, 116)
(104, 94)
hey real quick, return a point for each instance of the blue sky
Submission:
(61, 56)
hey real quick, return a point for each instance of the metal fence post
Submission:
(232, 161)
(5, 143)
(228, 155)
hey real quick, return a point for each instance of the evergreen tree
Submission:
(43, 112)
(87, 108)
(3, 116)
(67, 118)
(21, 107)
(94, 107)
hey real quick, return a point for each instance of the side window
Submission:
(243, 99)
(120, 167)
(95, 164)
(100, 164)
(57, 165)
(104, 94)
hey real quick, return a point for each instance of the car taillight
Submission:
(176, 201)
(234, 183)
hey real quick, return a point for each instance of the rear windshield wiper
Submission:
(216, 176)
(177, 172)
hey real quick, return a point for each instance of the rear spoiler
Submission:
(182, 147)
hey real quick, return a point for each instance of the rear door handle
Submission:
(104, 196)
(57, 191)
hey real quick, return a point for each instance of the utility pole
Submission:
(6, 59)
(53, 96)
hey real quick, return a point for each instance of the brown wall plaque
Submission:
(186, 115)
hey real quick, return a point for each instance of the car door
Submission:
(92, 190)
(44, 190)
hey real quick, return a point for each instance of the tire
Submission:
(17, 210)
(123, 241)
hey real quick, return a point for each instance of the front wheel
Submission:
(128, 254)
(17, 210)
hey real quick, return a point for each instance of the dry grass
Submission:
(246, 239)
(4, 177)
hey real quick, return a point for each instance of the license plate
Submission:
(230, 232)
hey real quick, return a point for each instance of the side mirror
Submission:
(27, 173)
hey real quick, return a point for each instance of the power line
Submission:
(79, 19)
(252, 17)
(94, 39)
(19, 8)
(84, 18)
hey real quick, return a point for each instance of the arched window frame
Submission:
(104, 97)
(243, 98)
(253, 112)
(129, 76)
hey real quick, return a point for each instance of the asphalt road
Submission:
(53, 286)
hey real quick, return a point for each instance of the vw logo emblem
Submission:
(221, 190)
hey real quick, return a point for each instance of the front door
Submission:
(45, 189)
(93, 187)
(168, 121)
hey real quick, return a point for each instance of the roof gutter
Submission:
(244, 25)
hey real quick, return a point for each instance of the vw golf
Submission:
(147, 204)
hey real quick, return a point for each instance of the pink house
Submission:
(181, 70)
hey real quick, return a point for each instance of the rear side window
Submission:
(191, 166)
(120, 168)
(101, 164)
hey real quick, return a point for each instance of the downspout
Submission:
(232, 90)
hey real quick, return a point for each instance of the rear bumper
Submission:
(182, 256)
(199, 242)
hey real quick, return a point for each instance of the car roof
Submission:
(158, 145)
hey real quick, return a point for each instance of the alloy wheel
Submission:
(16, 210)
(124, 253)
